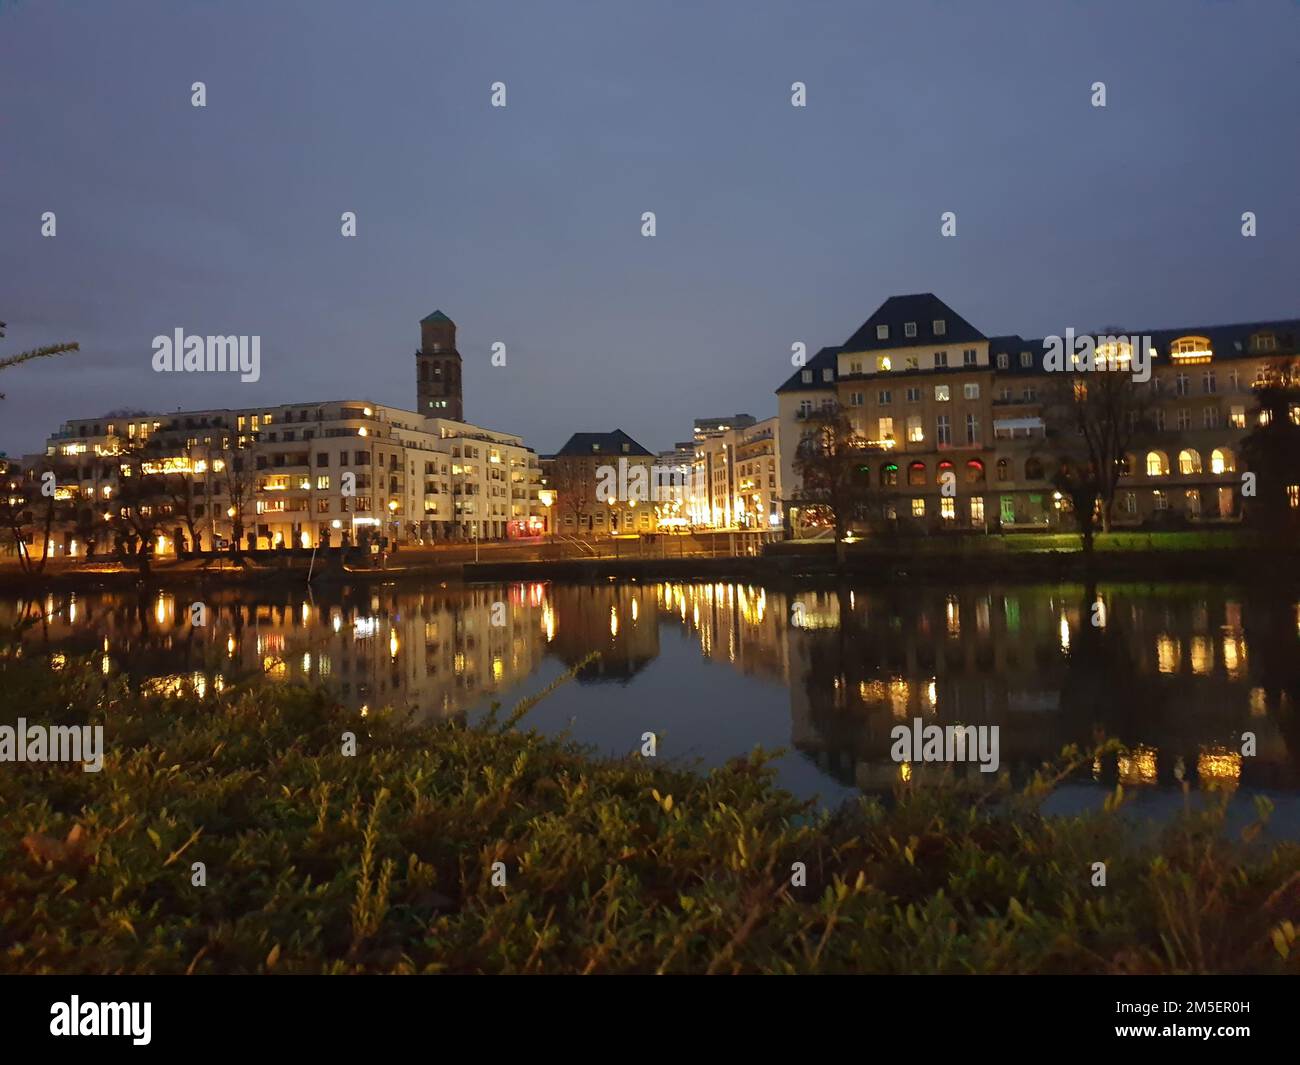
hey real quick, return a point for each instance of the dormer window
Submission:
(940, 327)
(828, 374)
(806, 377)
(882, 332)
(627, 448)
(1026, 359)
(1004, 360)
(1263, 342)
(909, 329)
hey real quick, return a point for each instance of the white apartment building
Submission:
(302, 474)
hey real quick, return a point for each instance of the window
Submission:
(886, 429)
(1159, 500)
(1221, 461)
(918, 507)
(1157, 464)
(940, 360)
(1234, 380)
(884, 363)
(916, 474)
(1184, 418)
(889, 475)
(970, 390)
(1237, 417)
(1004, 395)
(939, 326)
(941, 394)
(806, 377)
(968, 357)
(1210, 418)
(805, 408)
(913, 395)
(974, 472)
(1180, 385)
(913, 362)
(943, 429)
(1293, 495)
(1028, 394)
(1158, 419)
(882, 332)
(909, 329)
(1026, 359)
(1207, 382)
(828, 374)
(947, 508)
(972, 429)
(915, 434)
(1263, 342)
(1004, 469)
(1033, 469)
(1007, 510)
(855, 399)
(977, 510)
(322, 482)
(855, 366)
(1129, 502)
(1004, 360)
(886, 397)
(1189, 461)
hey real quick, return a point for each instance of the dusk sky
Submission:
(775, 224)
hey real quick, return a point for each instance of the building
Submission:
(935, 396)
(438, 369)
(304, 474)
(737, 474)
(596, 489)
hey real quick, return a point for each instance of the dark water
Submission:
(1178, 673)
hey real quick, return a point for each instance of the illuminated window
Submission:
(942, 394)
(918, 507)
(884, 363)
(948, 508)
(977, 510)
(889, 475)
(1157, 464)
(1189, 461)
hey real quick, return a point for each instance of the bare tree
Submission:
(35, 353)
(1272, 449)
(832, 464)
(1091, 420)
(575, 490)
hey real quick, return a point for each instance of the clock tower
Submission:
(437, 369)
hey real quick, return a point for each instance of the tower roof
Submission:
(436, 316)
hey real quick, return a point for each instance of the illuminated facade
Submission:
(932, 395)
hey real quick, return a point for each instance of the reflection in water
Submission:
(1176, 673)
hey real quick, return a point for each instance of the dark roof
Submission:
(923, 309)
(601, 444)
(436, 316)
(1226, 341)
(823, 360)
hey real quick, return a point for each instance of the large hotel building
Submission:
(301, 474)
(933, 394)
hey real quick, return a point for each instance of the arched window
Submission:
(944, 467)
(1222, 461)
(1004, 469)
(1189, 461)
(974, 472)
(889, 475)
(1033, 470)
(916, 473)
(1157, 464)
(1190, 346)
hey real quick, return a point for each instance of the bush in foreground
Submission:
(382, 862)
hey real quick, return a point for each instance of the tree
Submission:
(35, 353)
(143, 505)
(1091, 419)
(1272, 449)
(832, 465)
(575, 490)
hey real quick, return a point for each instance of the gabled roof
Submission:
(923, 310)
(823, 360)
(583, 444)
(436, 316)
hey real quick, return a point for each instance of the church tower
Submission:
(437, 369)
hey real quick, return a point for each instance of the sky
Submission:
(774, 224)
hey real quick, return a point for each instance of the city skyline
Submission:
(524, 223)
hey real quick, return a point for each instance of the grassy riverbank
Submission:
(381, 862)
